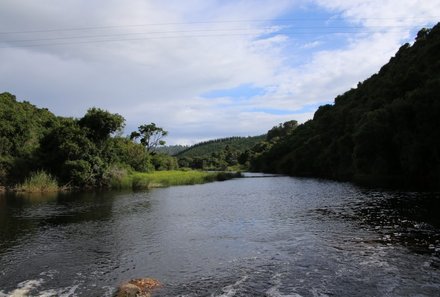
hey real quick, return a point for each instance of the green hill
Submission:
(387, 130)
(206, 148)
(218, 154)
(171, 150)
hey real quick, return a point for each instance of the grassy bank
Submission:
(159, 179)
(42, 182)
(39, 181)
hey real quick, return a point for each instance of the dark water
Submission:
(274, 236)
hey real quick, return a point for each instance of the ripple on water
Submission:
(275, 236)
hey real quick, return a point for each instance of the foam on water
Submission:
(24, 288)
(274, 291)
(31, 288)
(231, 290)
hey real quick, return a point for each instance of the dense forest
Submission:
(219, 154)
(171, 150)
(84, 152)
(385, 131)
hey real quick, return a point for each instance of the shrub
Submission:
(39, 181)
(116, 176)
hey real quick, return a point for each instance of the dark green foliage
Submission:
(22, 126)
(385, 130)
(282, 130)
(206, 148)
(164, 162)
(99, 124)
(77, 152)
(121, 150)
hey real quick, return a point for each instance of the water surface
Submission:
(272, 236)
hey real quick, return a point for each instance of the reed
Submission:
(39, 181)
(168, 178)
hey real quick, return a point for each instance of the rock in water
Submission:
(140, 287)
(128, 290)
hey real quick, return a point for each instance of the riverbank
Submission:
(42, 182)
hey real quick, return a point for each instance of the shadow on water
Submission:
(22, 214)
(410, 219)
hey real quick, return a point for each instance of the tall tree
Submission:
(100, 124)
(150, 136)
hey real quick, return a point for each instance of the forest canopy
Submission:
(385, 131)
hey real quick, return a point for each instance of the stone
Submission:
(140, 287)
(128, 290)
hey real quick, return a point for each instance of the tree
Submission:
(282, 130)
(150, 136)
(121, 150)
(101, 123)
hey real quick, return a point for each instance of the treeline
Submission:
(84, 152)
(171, 150)
(385, 131)
(205, 148)
(218, 154)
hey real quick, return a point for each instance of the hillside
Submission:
(387, 130)
(218, 154)
(171, 150)
(207, 148)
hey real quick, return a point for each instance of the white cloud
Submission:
(159, 77)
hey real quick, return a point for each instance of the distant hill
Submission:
(171, 150)
(385, 131)
(207, 148)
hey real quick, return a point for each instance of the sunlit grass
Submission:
(158, 179)
(42, 182)
(171, 178)
(39, 181)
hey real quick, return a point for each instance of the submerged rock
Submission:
(140, 287)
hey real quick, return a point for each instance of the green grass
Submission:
(159, 179)
(119, 178)
(39, 181)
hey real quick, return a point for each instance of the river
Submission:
(255, 236)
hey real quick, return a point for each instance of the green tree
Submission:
(150, 136)
(164, 162)
(121, 150)
(100, 124)
(282, 130)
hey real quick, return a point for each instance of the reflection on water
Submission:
(272, 236)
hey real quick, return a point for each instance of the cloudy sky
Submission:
(201, 69)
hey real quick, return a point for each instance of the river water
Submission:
(260, 236)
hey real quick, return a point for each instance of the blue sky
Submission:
(201, 69)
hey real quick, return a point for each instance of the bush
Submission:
(116, 176)
(39, 181)
(79, 172)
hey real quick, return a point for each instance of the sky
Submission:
(200, 69)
